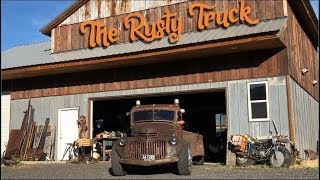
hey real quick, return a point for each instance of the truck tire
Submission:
(283, 158)
(242, 161)
(184, 164)
(198, 160)
(116, 167)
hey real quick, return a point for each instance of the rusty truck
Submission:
(156, 138)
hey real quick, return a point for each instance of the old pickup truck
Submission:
(157, 137)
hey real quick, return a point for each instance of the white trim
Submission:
(285, 7)
(59, 127)
(257, 101)
(5, 119)
(91, 118)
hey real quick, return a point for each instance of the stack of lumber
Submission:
(30, 142)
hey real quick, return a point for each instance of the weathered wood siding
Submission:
(305, 111)
(265, 63)
(238, 117)
(95, 9)
(67, 37)
(237, 105)
(301, 54)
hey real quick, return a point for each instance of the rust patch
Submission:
(87, 11)
(113, 7)
(99, 8)
(123, 6)
(109, 6)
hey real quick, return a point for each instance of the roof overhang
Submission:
(225, 46)
(307, 18)
(38, 54)
(46, 30)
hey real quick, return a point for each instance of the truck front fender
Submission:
(195, 142)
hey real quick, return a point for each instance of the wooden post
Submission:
(290, 114)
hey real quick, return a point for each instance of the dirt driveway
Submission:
(101, 171)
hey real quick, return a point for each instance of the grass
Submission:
(306, 164)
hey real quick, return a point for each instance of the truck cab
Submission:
(157, 137)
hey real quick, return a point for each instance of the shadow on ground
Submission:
(149, 170)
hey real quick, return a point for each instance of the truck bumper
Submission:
(149, 163)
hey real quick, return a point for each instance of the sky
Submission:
(22, 20)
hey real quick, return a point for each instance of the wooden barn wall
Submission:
(301, 54)
(305, 118)
(237, 108)
(46, 108)
(265, 63)
(67, 37)
(95, 9)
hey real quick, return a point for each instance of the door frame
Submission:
(5, 131)
(138, 95)
(59, 127)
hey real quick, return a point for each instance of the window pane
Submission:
(259, 110)
(258, 91)
(151, 115)
(143, 115)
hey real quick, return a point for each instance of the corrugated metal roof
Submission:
(40, 53)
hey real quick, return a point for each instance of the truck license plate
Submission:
(147, 157)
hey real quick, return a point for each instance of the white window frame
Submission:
(257, 101)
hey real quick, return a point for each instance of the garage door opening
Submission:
(205, 114)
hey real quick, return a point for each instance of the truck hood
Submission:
(159, 128)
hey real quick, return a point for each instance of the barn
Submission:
(236, 67)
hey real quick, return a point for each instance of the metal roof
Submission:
(35, 54)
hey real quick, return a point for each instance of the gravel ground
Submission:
(101, 171)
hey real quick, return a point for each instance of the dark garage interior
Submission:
(205, 114)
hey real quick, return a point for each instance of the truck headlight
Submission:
(173, 141)
(122, 142)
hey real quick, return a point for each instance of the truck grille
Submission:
(147, 135)
(157, 148)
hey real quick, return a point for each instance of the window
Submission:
(258, 101)
(153, 115)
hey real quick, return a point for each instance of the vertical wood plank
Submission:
(68, 48)
(87, 15)
(261, 9)
(270, 9)
(254, 8)
(278, 4)
(243, 107)
(53, 40)
(94, 9)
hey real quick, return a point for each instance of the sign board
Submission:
(170, 24)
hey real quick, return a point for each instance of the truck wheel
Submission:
(242, 161)
(117, 168)
(198, 160)
(185, 161)
(280, 158)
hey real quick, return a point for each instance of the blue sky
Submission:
(22, 20)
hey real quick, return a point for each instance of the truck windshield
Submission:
(153, 115)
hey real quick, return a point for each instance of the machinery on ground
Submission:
(271, 149)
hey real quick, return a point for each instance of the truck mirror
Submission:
(127, 113)
(182, 110)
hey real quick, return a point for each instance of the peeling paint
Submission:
(95, 9)
(99, 8)
(87, 11)
(113, 7)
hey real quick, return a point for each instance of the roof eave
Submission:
(263, 41)
(46, 30)
(308, 18)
